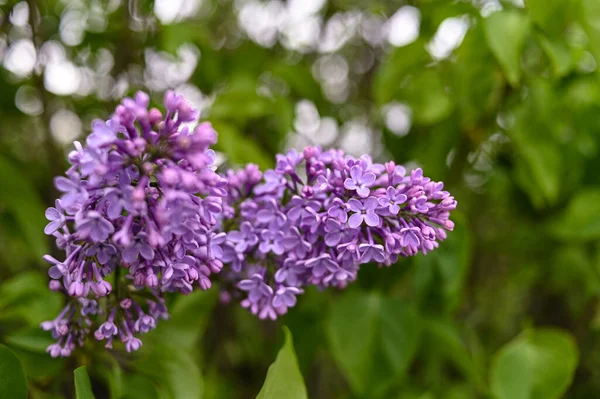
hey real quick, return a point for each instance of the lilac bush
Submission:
(135, 220)
(318, 216)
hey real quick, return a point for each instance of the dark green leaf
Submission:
(284, 378)
(12, 377)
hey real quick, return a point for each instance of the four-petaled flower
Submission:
(360, 181)
(392, 200)
(363, 211)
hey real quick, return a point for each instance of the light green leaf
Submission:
(581, 218)
(19, 197)
(12, 378)
(83, 385)
(538, 364)
(284, 379)
(506, 32)
(373, 340)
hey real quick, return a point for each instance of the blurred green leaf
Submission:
(590, 18)
(139, 386)
(445, 338)
(32, 339)
(39, 366)
(549, 15)
(83, 385)
(26, 296)
(475, 63)
(428, 97)
(196, 306)
(538, 364)
(19, 197)
(12, 377)
(284, 378)
(240, 149)
(506, 32)
(173, 370)
(451, 263)
(558, 53)
(395, 68)
(581, 218)
(373, 340)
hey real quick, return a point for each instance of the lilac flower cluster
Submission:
(317, 217)
(135, 219)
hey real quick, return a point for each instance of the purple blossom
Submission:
(392, 200)
(255, 287)
(56, 217)
(360, 180)
(286, 296)
(142, 195)
(364, 211)
(320, 228)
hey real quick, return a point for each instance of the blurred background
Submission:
(498, 99)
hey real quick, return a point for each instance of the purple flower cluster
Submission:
(317, 217)
(136, 219)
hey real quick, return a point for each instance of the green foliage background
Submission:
(506, 308)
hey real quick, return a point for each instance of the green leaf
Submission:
(581, 218)
(395, 68)
(549, 15)
(284, 379)
(373, 340)
(39, 366)
(506, 32)
(196, 306)
(139, 386)
(173, 371)
(590, 19)
(427, 95)
(12, 378)
(26, 297)
(83, 385)
(20, 198)
(559, 55)
(447, 340)
(538, 364)
(450, 262)
(32, 339)
(240, 149)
